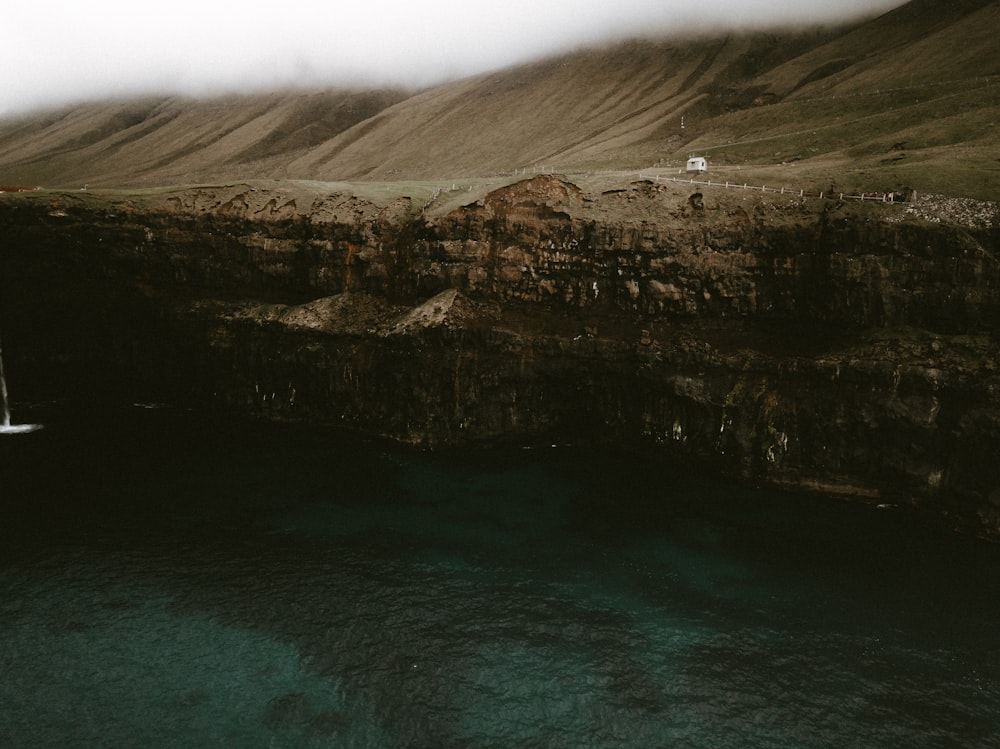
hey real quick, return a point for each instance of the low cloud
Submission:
(73, 51)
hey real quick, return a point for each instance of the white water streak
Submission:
(6, 427)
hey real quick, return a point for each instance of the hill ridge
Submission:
(757, 101)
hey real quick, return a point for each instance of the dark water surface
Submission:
(169, 580)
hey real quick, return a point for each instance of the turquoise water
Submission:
(170, 580)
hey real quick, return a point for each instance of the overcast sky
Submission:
(62, 51)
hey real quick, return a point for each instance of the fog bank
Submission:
(72, 51)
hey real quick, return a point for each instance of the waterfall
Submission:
(3, 393)
(6, 427)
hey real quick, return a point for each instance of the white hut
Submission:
(697, 164)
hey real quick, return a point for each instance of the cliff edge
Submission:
(848, 349)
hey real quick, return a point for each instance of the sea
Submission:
(172, 578)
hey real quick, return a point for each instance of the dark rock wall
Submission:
(798, 344)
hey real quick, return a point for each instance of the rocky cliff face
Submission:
(851, 350)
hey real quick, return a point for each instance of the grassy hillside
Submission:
(162, 141)
(909, 98)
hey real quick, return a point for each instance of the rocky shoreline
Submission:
(850, 350)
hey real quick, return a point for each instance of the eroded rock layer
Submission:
(847, 349)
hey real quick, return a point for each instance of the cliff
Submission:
(793, 342)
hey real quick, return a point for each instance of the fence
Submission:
(881, 197)
(878, 197)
